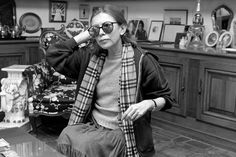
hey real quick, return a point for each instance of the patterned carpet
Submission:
(167, 144)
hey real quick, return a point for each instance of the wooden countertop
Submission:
(19, 41)
(209, 51)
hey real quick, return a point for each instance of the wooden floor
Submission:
(167, 143)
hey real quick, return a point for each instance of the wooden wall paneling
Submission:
(34, 55)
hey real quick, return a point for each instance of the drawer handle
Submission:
(200, 88)
(183, 85)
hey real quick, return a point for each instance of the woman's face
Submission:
(131, 26)
(107, 41)
(140, 26)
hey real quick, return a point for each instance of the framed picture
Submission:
(212, 38)
(178, 37)
(133, 25)
(176, 16)
(170, 31)
(84, 11)
(226, 39)
(57, 11)
(132, 28)
(155, 30)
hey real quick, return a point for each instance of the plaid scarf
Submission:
(128, 85)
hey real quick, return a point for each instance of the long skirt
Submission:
(90, 140)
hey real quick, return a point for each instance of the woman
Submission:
(118, 87)
(141, 34)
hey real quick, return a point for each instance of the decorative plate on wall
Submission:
(31, 22)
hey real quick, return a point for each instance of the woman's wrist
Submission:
(157, 104)
(82, 37)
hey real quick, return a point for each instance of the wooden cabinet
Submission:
(175, 69)
(204, 85)
(217, 103)
(18, 52)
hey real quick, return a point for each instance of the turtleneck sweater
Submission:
(106, 109)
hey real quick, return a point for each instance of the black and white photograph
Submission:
(118, 78)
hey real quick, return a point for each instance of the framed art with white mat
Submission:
(170, 32)
(155, 30)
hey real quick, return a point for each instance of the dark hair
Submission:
(111, 10)
(141, 22)
(117, 14)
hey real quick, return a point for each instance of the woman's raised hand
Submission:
(82, 37)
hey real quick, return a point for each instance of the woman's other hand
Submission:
(136, 111)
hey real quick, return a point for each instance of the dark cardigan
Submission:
(68, 59)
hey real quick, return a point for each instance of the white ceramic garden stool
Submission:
(13, 96)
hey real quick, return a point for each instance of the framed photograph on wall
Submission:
(84, 10)
(176, 16)
(155, 30)
(170, 31)
(133, 26)
(57, 11)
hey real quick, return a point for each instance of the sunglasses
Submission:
(107, 28)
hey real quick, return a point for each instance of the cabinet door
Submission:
(175, 71)
(217, 86)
